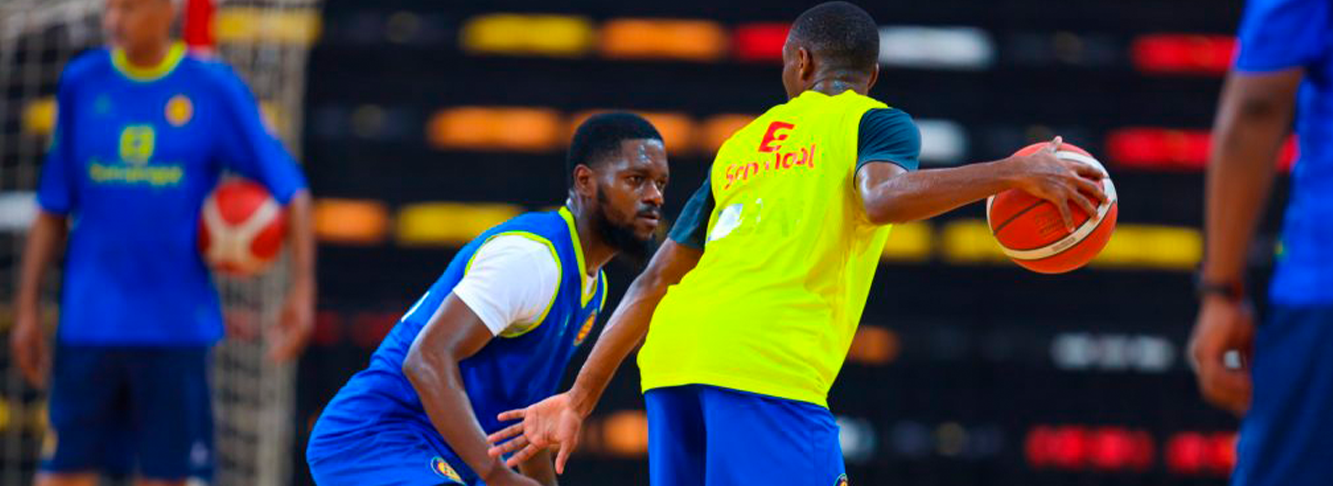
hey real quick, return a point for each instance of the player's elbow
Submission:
(885, 210)
(418, 367)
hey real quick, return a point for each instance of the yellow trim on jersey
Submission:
(152, 73)
(601, 284)
(512, 332)
(584, 295)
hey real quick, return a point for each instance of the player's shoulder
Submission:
(209, 70)
(91, 62)
(886, 120)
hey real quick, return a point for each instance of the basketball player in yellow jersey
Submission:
(755, 297)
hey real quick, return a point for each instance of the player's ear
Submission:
(584, 185)
(805, 65)
(874, 76)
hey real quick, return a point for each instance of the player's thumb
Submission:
(1054, 144)
(562, 456)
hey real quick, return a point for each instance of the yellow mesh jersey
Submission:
(774, 302)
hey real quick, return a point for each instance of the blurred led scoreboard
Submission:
(427, 124)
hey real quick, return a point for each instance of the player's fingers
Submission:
(1087, 171)
(519, 442)
(1054, 145)
(29, 363)
(1092, 189)
(286, 345)
(1086, 204)
(1223, 388)
(523, 455)
(505, 433)
(1062, 204)
(512, 415)
(562, 456)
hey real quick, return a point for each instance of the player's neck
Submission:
(834, 86)
(596, 252)
(148, 57)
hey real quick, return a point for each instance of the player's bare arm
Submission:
(1252, 120)
(556, 421)
(891, 194)
(28, 342)
(454, 334)
(298, 312)
(540, 468)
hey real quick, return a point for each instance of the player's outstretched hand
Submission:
(28, 345)
(288, 338)
(1060, 181)
(552, 422)
(1223, 326)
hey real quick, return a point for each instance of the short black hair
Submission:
(601, 134)
(840, 34)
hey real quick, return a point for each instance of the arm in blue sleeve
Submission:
(56, 188)
(1276, 35)
(692, 225)
(247, 146)
(888, 135)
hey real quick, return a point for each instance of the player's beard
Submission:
(621, 237)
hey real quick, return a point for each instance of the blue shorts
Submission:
(707, 436)
(1287, 437)
(389, 453)
(130, 410)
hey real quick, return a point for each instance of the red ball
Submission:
(1031, 232)
(242, 228)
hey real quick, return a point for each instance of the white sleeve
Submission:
(512, 280)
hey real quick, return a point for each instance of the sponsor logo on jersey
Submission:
(444, 470)
(772, 143)
(587, 327)
(179, 110)
(842, 481)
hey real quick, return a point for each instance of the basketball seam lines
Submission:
(1094, 230)
(1015, 216)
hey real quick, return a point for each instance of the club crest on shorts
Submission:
(444, 470)
(587, 327)
(842, 481)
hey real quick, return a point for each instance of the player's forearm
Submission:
(540, 468)
(629, 322)
(44, 240)
(918, 195)
(301, 238)
(1247, 137)
(438, 383)
(625, 330)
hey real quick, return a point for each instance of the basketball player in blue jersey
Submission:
(497, 329)
(1283, 385)
(144, 132)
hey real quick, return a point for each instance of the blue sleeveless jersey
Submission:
(515, 369)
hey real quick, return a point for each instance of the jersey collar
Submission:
(585, 296)
(153, 73)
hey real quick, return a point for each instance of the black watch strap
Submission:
(1233, 290)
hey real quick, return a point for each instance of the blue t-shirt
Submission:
(884, 135)
(513, 370)
(1277, 35)
(135, 153)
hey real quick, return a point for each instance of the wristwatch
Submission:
(1233, 290)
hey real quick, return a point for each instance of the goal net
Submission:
(267, 42)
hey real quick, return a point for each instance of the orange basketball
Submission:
(1031, 232)
(241, 228)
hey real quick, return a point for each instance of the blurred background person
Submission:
(1280, 378)
(144, 132)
